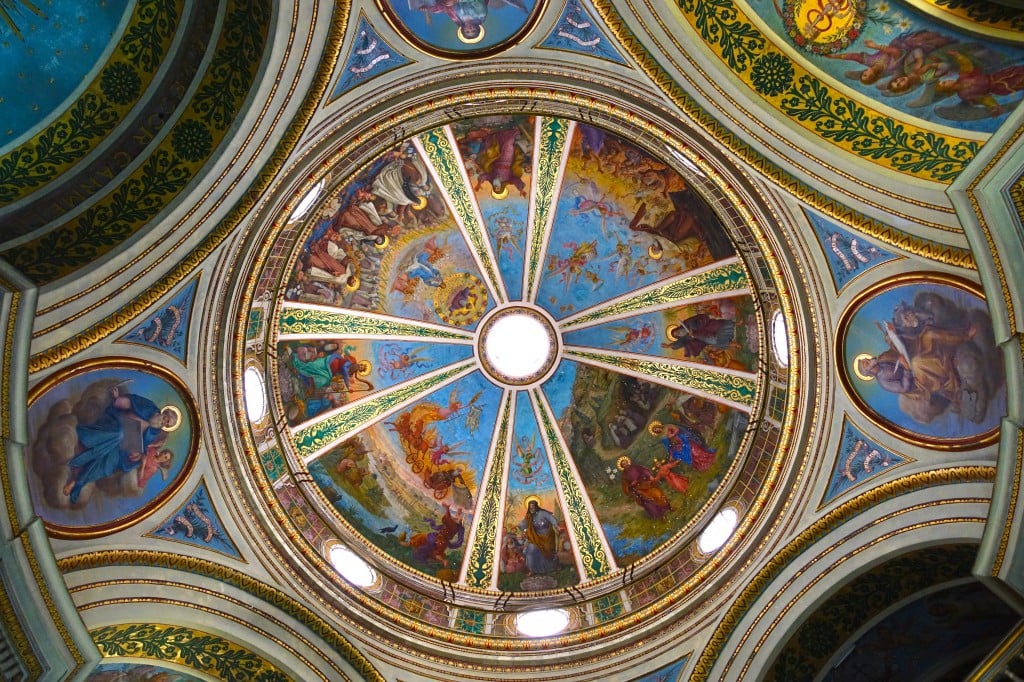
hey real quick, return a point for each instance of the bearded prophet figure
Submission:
(102, 442)
(541, 530)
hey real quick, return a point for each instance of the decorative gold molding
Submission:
(817, 530)
(886, 234)
(191, 261)
(242, 581)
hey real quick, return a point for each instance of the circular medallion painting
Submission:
(109, 442)
(462, 28)
(920, 358)
(516, 353)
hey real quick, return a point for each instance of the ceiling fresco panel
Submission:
(919, 357)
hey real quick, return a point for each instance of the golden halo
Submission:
(499, 195)
(623, 462)
(531, 498)
(421, 203)
(382, 241)
(655, 428)
(177, 413)
(471, 41)
(655, 251)
(668, 331)
(363, 368)
(353, 285)
(856, 366)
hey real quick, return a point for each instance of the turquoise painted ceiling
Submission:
(46, 57)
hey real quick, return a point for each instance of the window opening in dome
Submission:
(351, 567)
(306, 203)
(542, 623)
(718, 531)
(517, 345)
(255, 395)
(780, 338)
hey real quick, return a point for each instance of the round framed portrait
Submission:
(109, 441)
(918, 355)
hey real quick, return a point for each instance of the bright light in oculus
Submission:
(542, 623)
(255, 395)
(517, 345)
(306, 203)
(718, 531)
(780, 340)
(351, 567)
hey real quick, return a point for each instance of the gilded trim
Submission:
(817, 530)
(926, 248)
(185, 267)
(235, 578)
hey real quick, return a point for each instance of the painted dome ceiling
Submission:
(512, 355)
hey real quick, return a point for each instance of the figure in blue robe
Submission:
(102, 441)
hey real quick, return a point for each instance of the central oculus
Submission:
(517, 345)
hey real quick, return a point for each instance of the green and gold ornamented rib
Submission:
(735, 389)
(481, 554)
(595, 562)
(554, 133)
(724, 279)
(442, 157)
(343, 323)
(313, 438)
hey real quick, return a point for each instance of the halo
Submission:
(421, 203)
(382, 242)
(668, 331)
(656, 251)
(655, 428)
(856, 366)
(363, 368)
(352, 284)
(471, 41)
(623, 462)
(499, 195)
(532, 498)
(177, 413)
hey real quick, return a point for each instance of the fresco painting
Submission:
(848, 254)
(167, 329)
(920, 358)
(319, 375)
(887, 51)
(578, 31)
(623, 220)
(137, 672)
(368, 58)
(670, 673)
(466, 28)
(409, 484)
(649, 456)
(497, 152)
(109, 442)
(197, 523)
(721, 332)
(387, 243)
(907, 643)
(536, 553)
(860, 459)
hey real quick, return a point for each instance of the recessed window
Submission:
(351, 567)
(780, 338)
(255, 395)
(718, 531)
(542, 623)
(306, 203)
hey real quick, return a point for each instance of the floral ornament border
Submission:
(809, 102)
(172, 166)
